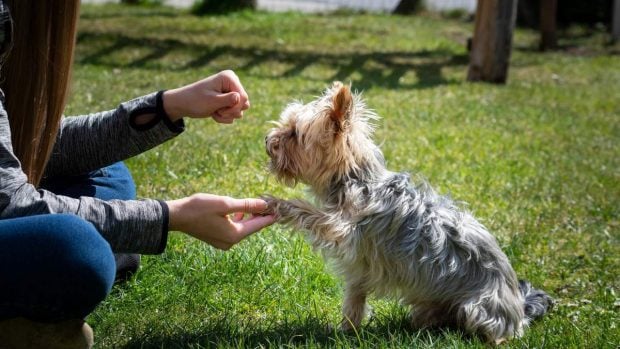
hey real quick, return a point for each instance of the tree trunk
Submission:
(615, 31)
(492, 42)
(548, 12)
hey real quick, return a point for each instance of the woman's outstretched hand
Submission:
(220, 221)
(220, 96)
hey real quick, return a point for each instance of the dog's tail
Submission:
(537, 302)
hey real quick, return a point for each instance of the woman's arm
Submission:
(129, 226)
(132, 225)
(85, 143)
(141, 225)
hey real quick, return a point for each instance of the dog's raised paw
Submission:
(272, 205)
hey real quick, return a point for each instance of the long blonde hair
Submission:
(35, 77)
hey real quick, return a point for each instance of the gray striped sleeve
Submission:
(86, 143)
(128, 226)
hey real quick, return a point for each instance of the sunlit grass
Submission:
(537, 161)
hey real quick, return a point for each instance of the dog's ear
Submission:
(342, 103)
(336, 85)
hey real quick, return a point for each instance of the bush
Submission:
(407, 7)
(202, 7)
(569, 12)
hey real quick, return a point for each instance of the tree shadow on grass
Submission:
(577, 41)
(385, 69)
(309, 332)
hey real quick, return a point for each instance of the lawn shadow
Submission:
(584, 42)
(385, 69)
(113, 11)
(311, 331)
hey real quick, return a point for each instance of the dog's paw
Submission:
(347, 326)
(273, 205)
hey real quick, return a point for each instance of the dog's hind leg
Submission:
(495, 319)
(431, 315)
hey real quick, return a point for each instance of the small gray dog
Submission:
(387, 236)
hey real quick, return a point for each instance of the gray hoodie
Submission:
(86, 143)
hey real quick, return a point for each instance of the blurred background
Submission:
(535, 154)
(546, 15)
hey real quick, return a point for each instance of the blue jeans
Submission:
(57, 266)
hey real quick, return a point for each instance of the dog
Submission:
(386, 235)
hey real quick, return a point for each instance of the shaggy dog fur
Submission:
(388, 236)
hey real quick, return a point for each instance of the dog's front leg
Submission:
(354, 307)
(323, 228)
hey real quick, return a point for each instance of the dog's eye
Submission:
(293, 133)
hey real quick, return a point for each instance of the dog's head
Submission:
(323, 140)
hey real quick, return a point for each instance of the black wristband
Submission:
(165, 226)
(159, 114)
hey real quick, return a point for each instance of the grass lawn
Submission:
(537, 160)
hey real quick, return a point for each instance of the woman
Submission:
(66, 202)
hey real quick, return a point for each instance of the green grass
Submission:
(537, 160)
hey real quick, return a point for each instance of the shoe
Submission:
(21, 333)
(127, 264)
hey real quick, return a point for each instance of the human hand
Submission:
(218, 220)
(220, 96)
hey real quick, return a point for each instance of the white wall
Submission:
(439, 5)
(327, 5)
